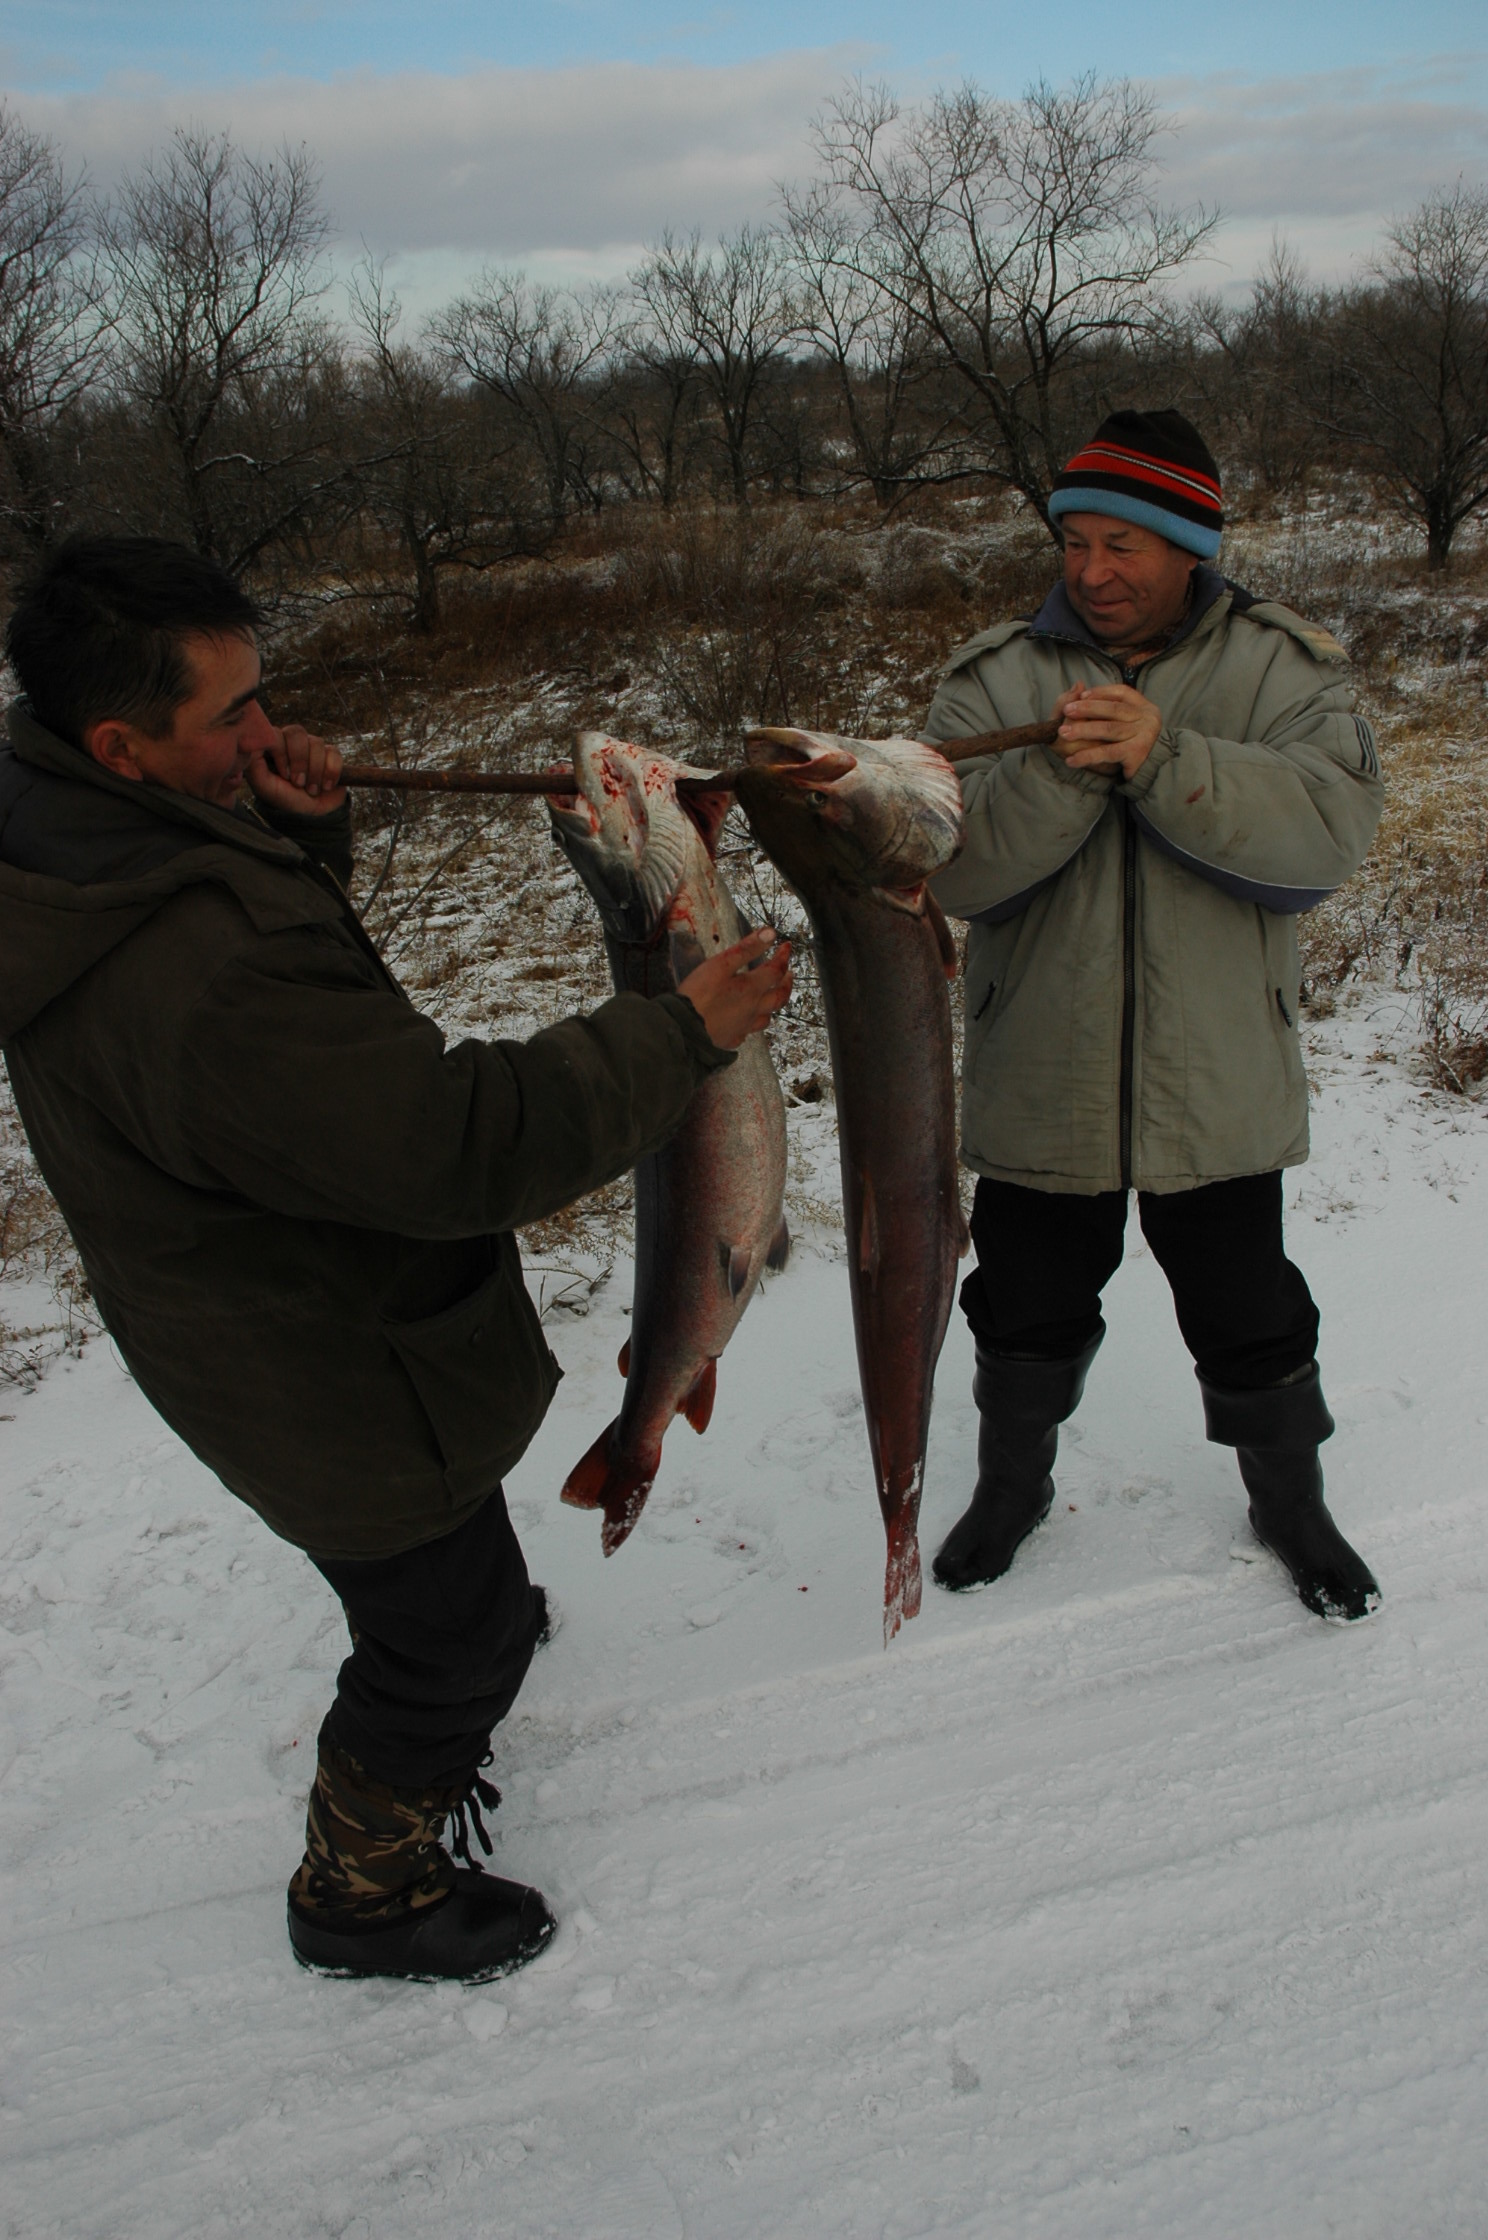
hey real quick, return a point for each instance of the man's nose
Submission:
(258, 732)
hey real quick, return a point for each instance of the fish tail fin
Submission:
(901, 1580)
(618, 1484)
(696, 1402)
(780, 1245)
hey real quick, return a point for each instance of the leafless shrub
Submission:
(35, 1244)
(733, 606)
(1417, 913)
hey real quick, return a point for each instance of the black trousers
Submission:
(1044, 1258)
(441, 1640)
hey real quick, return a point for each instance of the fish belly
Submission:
(709, 1213)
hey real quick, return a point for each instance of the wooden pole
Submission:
(560, 779)
(459, 781)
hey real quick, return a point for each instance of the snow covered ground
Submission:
(1123, 1898)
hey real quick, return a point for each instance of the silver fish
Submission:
(710, 1203)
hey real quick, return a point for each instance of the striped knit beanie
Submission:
(1153, 468)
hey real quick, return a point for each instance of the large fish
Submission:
(857, 828)
(710, 1203)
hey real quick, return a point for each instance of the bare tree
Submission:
(432, 473)
(652, 407)
(216, 260)
(1251, 366)
(51, 320)
(540, 352)
(729, 313)
(1405, 384)
(884, 374)
(1017, 236)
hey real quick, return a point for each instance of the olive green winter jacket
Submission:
(1132, 971)
(292, 1199)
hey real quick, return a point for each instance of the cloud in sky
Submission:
(571, 169)
(506, 162)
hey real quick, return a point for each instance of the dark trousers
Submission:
(441, 1640)
(1044, 1258)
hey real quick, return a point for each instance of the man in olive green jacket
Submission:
(1132, 984)
(294, 1201)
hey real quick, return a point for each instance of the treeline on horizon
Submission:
(954, 299)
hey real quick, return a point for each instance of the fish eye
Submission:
(817, 800)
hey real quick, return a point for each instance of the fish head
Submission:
(625, 832)
(879, 813)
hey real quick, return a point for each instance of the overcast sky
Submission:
(564, 134)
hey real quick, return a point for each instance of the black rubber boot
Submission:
(482, 1927)
(1022, 1403)
(377, 1894)
(1276, 1434)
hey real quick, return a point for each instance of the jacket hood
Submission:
(86, 858)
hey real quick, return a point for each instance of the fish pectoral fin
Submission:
(622, 1362)
(779, 1251)
(696, 1402)
(737, 1261)
(943, 935)
(868, 1232)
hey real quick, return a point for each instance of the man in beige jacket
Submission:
(1132, 986)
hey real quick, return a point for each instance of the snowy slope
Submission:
(1123, 1898)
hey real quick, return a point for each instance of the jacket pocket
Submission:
(1279, 961)
(484, 1375)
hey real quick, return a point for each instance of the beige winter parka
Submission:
(1132, 970)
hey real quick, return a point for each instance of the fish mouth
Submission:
(796, 756)
(887, 811)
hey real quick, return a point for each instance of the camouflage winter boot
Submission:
(377, 1894)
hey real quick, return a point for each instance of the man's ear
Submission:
(111, 744)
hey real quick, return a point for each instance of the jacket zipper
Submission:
(1128, 969)
(1128, 923)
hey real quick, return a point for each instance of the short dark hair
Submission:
(98, 631)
